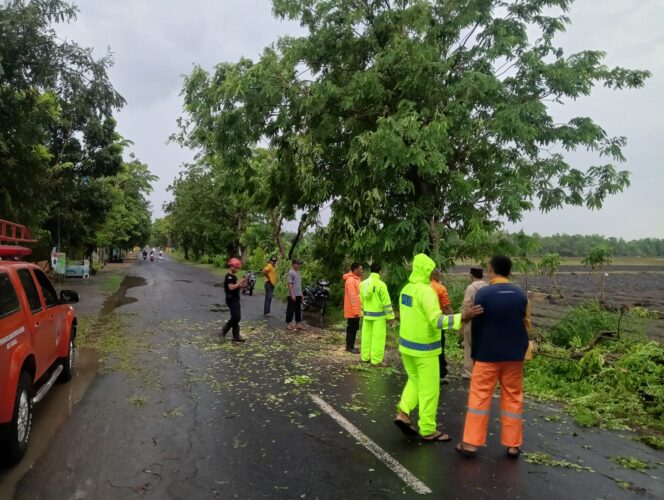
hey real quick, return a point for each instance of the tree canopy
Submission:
(421, 125)
(60, 154)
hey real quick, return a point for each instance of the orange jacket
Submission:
(441, 293)
(352, 304)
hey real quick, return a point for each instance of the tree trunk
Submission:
(277, 222)
(302, 227)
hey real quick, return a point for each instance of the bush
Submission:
(257, 260)
(578, 326)
(219, 261)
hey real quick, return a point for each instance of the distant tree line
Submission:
(579, 245)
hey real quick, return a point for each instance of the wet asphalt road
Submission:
(187, 416)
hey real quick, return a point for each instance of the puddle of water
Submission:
(119, 298)
(50, 414)
(56, 407)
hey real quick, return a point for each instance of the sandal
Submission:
(436, 438)
(465, 452)
(405, 427)
(513, 454)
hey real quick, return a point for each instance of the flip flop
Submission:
(513, 454)
(405, 427)
(462, 449)
(438, 438)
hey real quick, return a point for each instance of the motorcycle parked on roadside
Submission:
(316, 296)
(251, 283)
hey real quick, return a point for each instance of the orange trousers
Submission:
(482, 384)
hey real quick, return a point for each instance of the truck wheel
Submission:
(18, 435)
(68, 362)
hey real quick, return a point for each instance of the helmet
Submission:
(235, 263)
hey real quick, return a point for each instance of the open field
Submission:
(630, 285)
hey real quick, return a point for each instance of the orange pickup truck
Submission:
(37, 335)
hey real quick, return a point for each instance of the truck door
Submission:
(38, 322)
(52, 325)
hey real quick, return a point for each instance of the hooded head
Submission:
(422, 268)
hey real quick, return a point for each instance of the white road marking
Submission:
(405, 475)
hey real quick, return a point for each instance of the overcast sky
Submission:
(155, 42)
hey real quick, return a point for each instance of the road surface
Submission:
(177, 413)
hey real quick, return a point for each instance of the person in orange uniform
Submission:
(499, 345)
(446, 308)
(352, 305)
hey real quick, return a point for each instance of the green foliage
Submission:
(580, 324)
(161, 233)
(578, 245)
(614, 385)
(631, 463)
(540, 458)
(421, 125)
(58, 142)
(597, 259)
(549, 265)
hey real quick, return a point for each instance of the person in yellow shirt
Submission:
(270, 274)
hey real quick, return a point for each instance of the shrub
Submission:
(579, 325)
(219, 261)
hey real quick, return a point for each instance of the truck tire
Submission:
(19, 429)
(68, 361)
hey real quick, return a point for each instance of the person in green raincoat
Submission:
(421, 322)
(377, 311)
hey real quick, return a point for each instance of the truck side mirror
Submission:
(68, 297)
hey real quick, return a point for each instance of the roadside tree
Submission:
(417, 123)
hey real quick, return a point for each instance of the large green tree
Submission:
(420, 123)
(58, 142)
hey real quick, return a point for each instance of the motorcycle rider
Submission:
(232, 288)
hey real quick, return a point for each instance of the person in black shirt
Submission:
(232, 288)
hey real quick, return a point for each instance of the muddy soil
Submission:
(624, 285)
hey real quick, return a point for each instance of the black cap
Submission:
(477, 272)
(297, 261)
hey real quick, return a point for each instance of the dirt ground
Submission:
(624, 285)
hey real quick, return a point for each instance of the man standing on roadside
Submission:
(352, 305)
(446, 307)
(294, 301)
(500, 342)
(377, 307)
(420, 328)
(477, 282)
(270, 274)
(232, 288)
